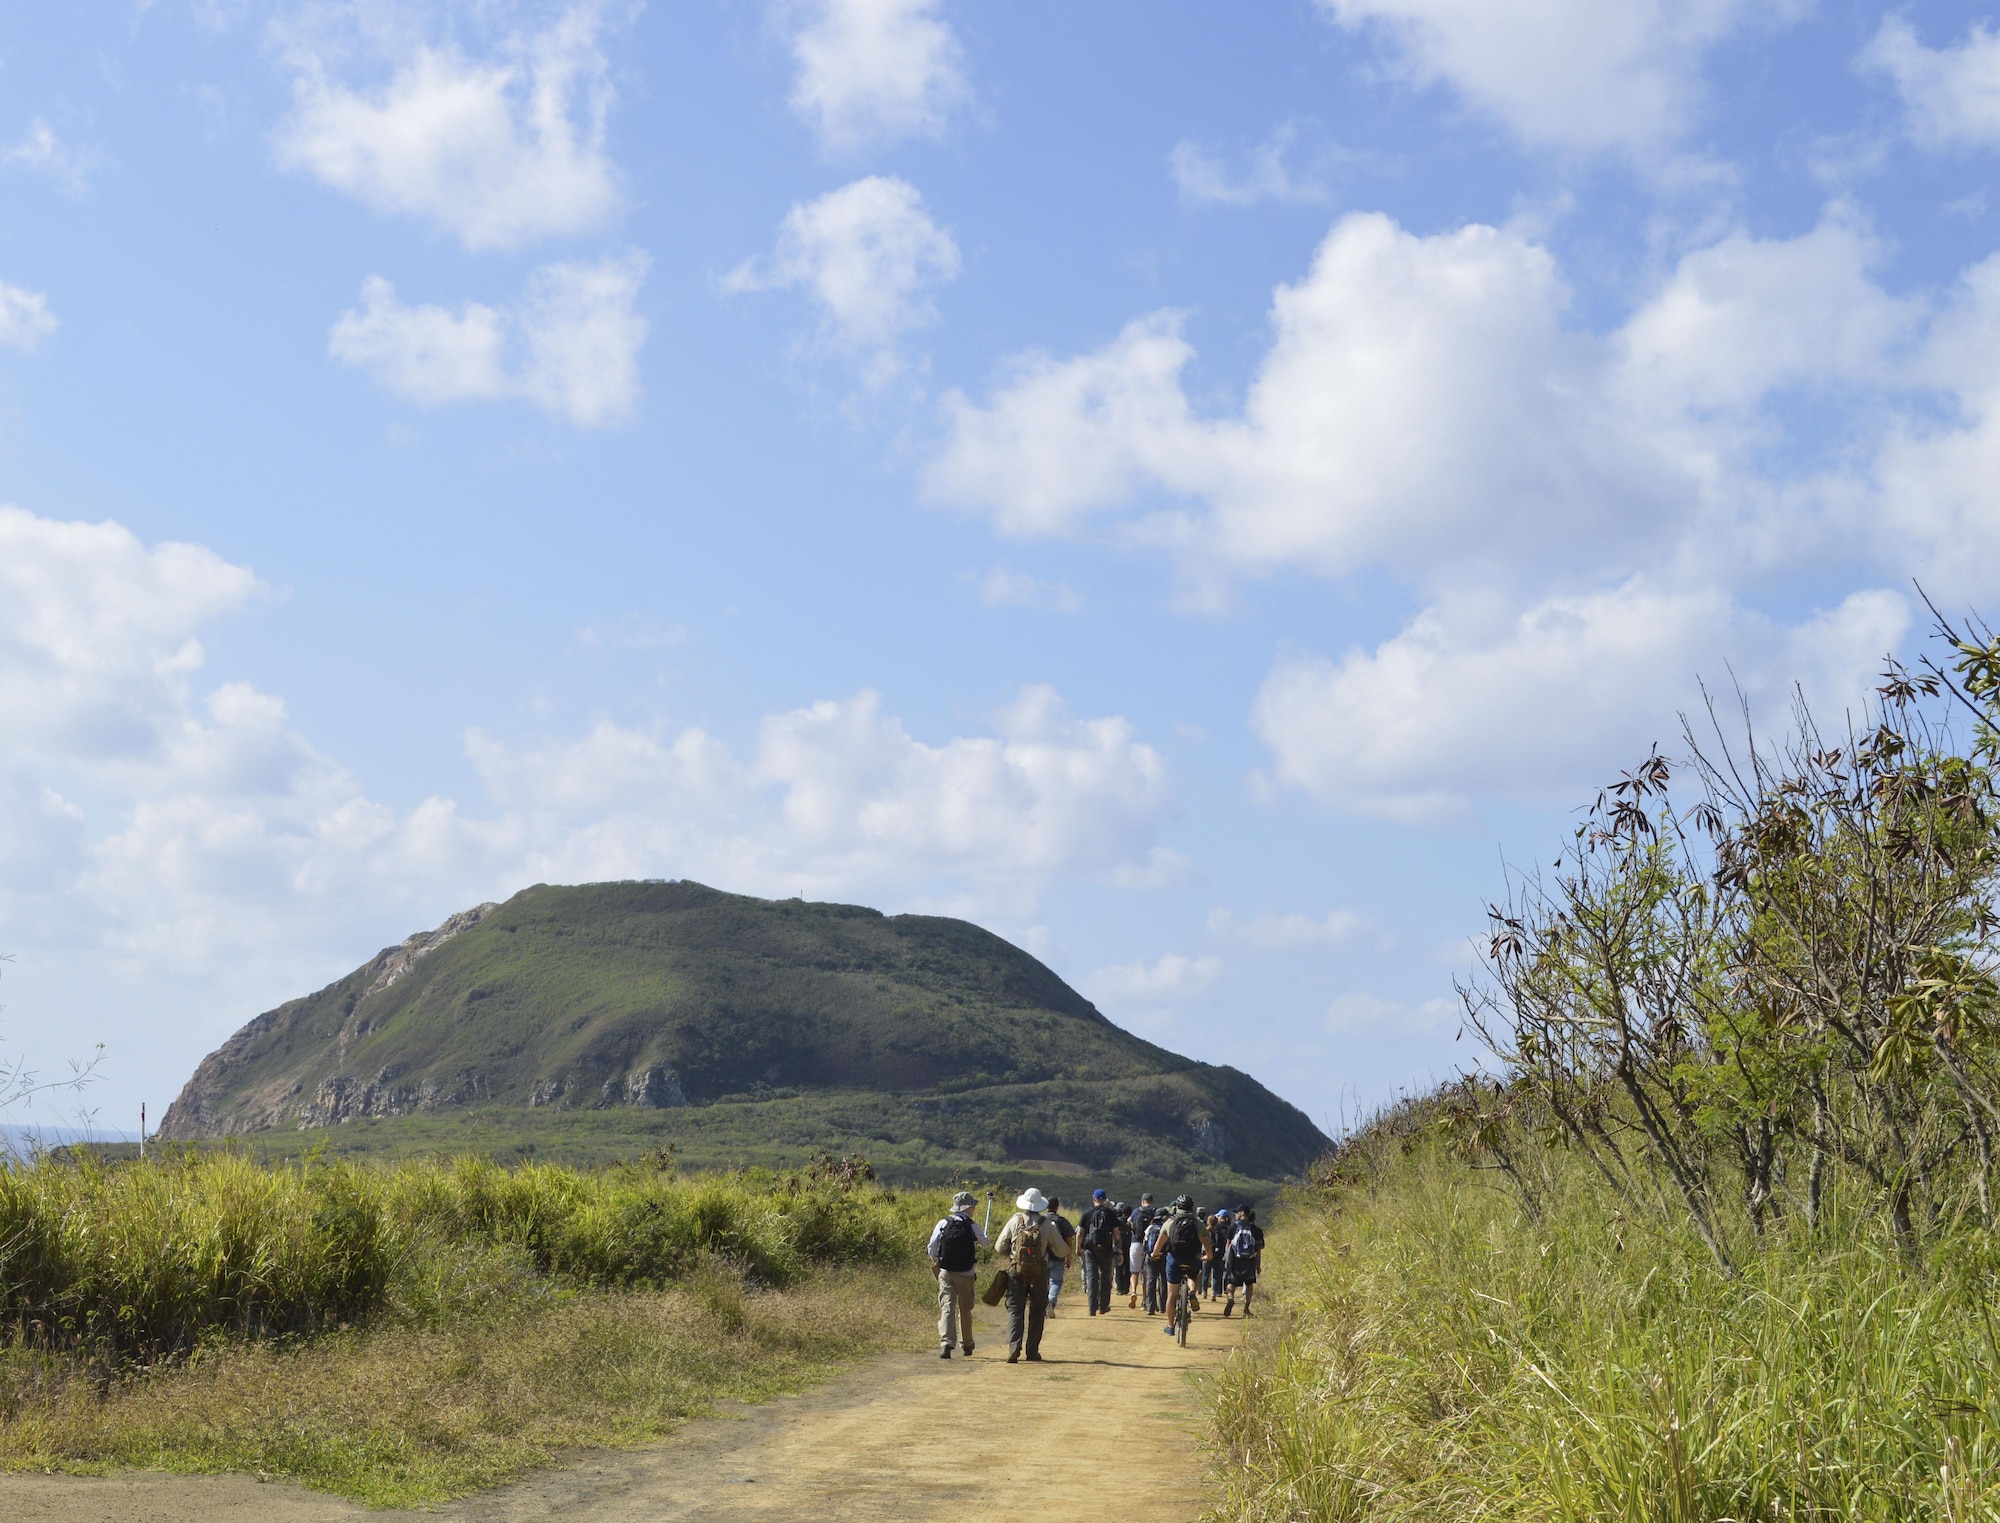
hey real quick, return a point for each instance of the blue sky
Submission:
(1195, 489)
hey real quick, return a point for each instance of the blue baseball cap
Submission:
(1097, 1195)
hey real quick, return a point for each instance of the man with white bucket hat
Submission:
(1027, 1245)
(954, 1243)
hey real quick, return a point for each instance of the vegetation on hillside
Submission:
(1715, 1239)
(408, 1333)
(674, 1011)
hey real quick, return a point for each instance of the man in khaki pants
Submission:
(954, 1242)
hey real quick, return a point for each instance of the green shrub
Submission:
(143, 1261)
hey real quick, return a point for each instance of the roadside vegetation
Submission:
(410, 1333)
(1712, 1236)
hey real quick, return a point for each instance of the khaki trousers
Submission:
(955, 1302)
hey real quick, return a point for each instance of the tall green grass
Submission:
(139, 1262)
(1443, 1358)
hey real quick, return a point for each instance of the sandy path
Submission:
(907, 1438)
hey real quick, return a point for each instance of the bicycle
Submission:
(1184, 1313)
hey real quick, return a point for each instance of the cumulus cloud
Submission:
(1951, 95)
(1618, 75)
(570, 345)
(1428, 404)
(867, 254)
(1552, 701)
(872, 72)
(25, 318)
(496, 150)
(187, 825)
(839, 797)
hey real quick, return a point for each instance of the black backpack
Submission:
(1100, 1226)
(956, 1244)
(1184, 1236)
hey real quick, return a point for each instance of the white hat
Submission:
(1032, 1200)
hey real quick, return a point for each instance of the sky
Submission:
(1204, 491)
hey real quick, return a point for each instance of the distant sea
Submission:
(33, 1136)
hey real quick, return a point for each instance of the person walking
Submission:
(1141, 1221)
(1183, 1246)
(954, 1246)
(1220, 1227)
(1245, 1256)
(1058, 1270)
(1097, 1241)
(1155, 1268)
(1121, 1249)
(1027, 1245)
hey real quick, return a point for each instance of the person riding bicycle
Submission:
(1183, 1246)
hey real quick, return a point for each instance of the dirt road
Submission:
(907, 1438)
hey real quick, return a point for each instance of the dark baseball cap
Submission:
(1097, 1195)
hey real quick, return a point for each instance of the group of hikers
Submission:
(1154, 1253)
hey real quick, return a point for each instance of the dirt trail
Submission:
(908, 1438)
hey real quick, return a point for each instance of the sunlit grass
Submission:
(1441, 1358)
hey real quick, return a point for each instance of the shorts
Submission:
(1136, 1259)
(1243, 1274)
(1181, 1269)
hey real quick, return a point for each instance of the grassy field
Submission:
(1441, 1356)
(406, 1334)
(780, 1134)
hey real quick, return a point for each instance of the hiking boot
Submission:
(1013, 1358)
(1034, 1359)
(944, 1353)
(968, 1350)
(1228, 1307)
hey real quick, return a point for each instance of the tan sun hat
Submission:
(1032, 1200)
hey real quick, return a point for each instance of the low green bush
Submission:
(142, 1261)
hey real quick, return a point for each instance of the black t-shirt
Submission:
(1064, 1226)
(1099, 1226)
(1142, 1218)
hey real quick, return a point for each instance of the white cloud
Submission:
(1621, 75)
(571, 345)
(873, 71)
(1275, 171)
(1005, 588)
(1426, 404)
(25, 318)
(839, 798)
(41, 152)
(189, 828)
(867, 253)
(1554, 700)
(497, 151)
(1284, 932)
(1173, 977)
(1952, 95)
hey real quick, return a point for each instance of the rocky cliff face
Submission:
(337, 1098)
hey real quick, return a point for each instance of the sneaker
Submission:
(1168, 1329)
(1013, 1358)
(968, 1351)
(944, 1353)
(1228, 1307)
(1034, 1359)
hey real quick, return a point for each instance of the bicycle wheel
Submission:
(1183, 1318)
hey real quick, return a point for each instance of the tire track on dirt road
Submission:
(905, 1437)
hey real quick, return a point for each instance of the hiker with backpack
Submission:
(1121, 1249)
(1156, 1271)
(1142, 1245)
(1181, 1248)
(1220, 1226)
(1027, 1245)
(953, 1248)
(1097, 1237)
(1242, 1258)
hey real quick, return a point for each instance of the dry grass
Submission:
(404, 1415)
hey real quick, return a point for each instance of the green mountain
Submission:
(589, 1020)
